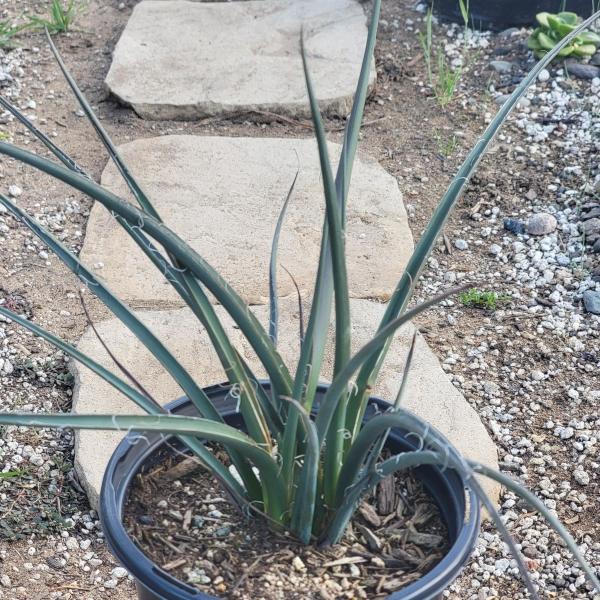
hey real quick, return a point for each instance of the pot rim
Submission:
(113, 496)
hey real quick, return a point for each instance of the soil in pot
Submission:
(180, 518)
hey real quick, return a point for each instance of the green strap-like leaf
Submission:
(417, 459)
(273, 297)
(273, 487)
(403, 292)
(121, 311)
(311, 356)
(335, 436)
(62, 156)
(185, 285)
(132, 394)
(539, 506)
(186, 255)
(342, 380)
(375, 452)
(136, 190)
(306, 493)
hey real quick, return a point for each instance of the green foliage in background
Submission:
(555, 27)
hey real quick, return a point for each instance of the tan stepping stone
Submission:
(187, 60)
(430, 393)
(224, 195)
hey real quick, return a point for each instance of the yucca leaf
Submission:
(498, 521)
(50, 145)
(353, 496)
(120, 310)
(540, 507)
(434, 450)
(311, 356)
(403, 292)
(184, 284)
(342, 380)
(212, 431)
(377, 447)
(300, 307)
(335, 228)
(305, 496)
(273, 297)
(335, 438)
(430, 441)
(132, 394)
(186, 255)
(136, 190)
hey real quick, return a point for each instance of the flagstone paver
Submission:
(183, 60)
(430, 393)
(223, 196)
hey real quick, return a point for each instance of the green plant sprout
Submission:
(446, 145)
(61, 17)
(443, 79)
(303, 461)
(8, 31)
(555, 27)
(474, 298)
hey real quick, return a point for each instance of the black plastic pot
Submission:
(501, 14)
(459, 509)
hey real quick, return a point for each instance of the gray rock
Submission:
(581, 477)
(119, 572)
(591, 301)
(544, 75)
(223, 196)
(501, 66)
(185, 60)
(541, 224)
(461, 244)
(582, 71)
(591, 226)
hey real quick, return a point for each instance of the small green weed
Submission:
(62, 15)
(12, 474)
(4, 136)
(474, 298)
(446, 145)
(8, 30)
(444, 79)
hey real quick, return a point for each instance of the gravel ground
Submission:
(526, 230)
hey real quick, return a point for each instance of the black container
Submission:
(501, 14)
(459, 509)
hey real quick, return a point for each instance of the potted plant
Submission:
(297, 455)
(500, 14)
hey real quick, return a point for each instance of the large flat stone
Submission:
(187, 60)
(224, 195)
(430, 393)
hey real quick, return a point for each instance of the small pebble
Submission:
(514, 226)
(541, 224)
(14, 190)
(544, 75)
